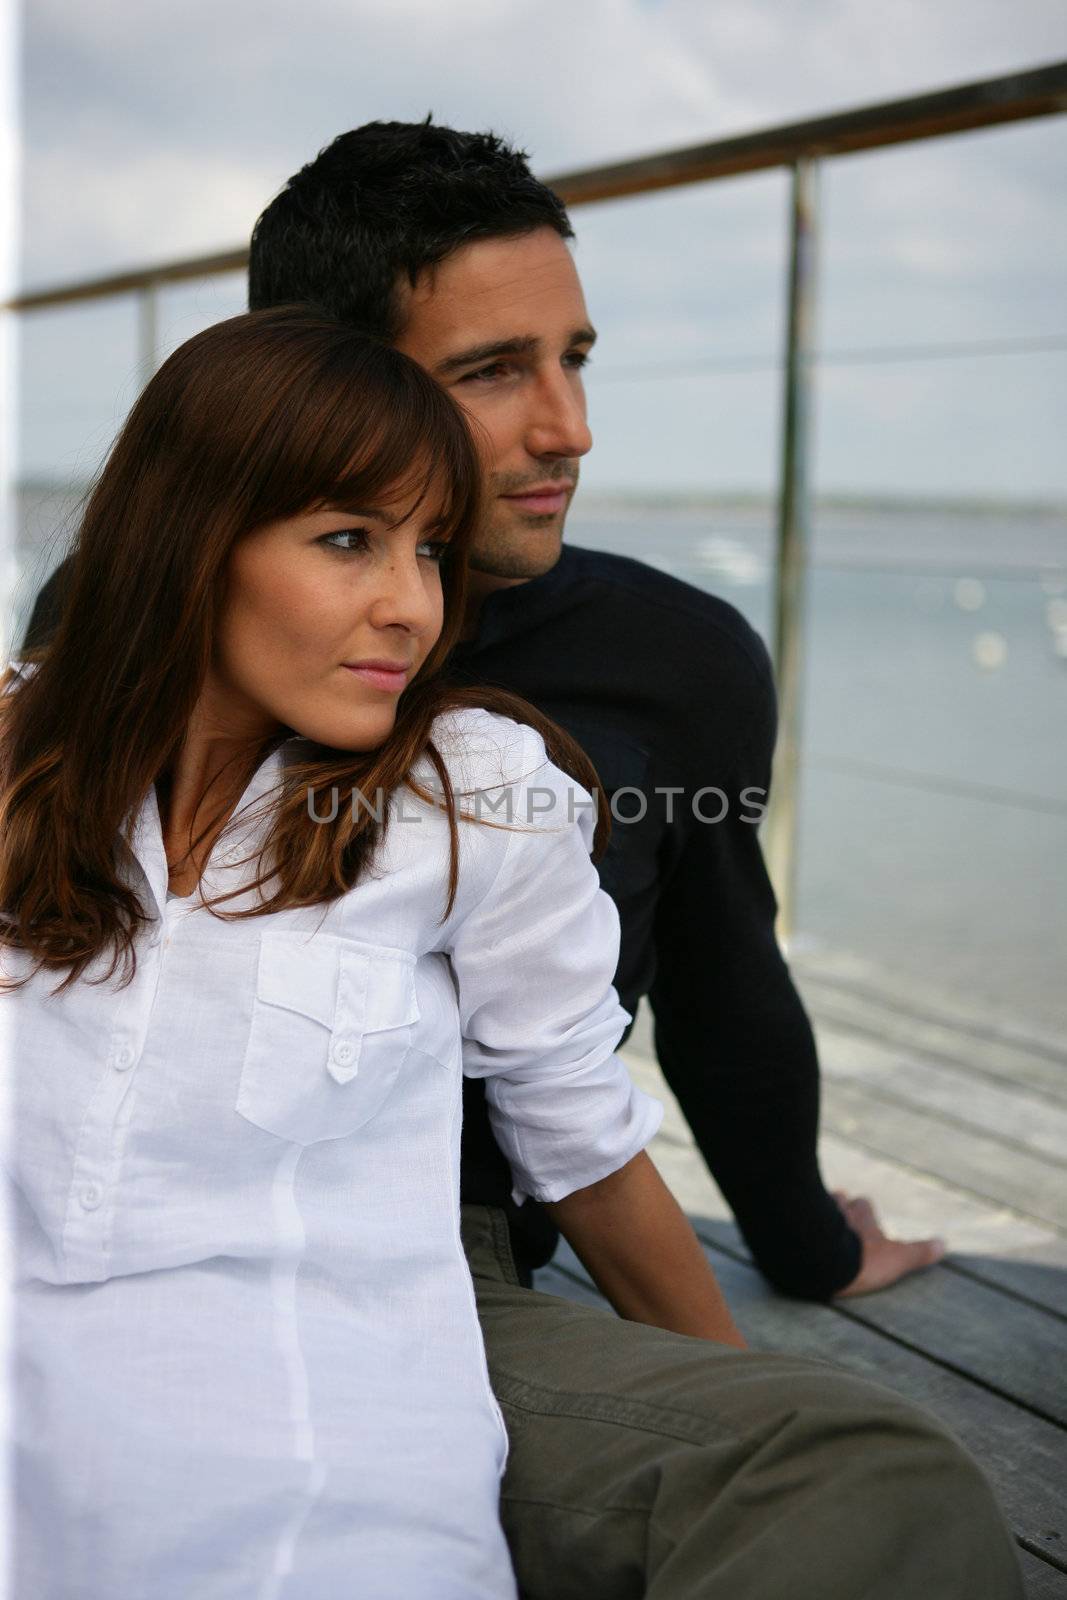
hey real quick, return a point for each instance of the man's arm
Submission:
(737, 1049)
(635, 1241)
(732, 1035)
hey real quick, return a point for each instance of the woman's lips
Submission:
(391, 679)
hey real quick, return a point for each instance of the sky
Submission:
(151, 132)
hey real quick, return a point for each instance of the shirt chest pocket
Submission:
(331, 1025)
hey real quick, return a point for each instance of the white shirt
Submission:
(248, 1356)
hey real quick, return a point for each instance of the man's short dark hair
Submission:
(384, 202)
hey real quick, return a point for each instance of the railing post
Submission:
(148, 329)
(791, 556)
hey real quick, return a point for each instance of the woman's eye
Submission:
(348, 539)
(434, 548)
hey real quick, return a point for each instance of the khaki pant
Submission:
(646, 1463)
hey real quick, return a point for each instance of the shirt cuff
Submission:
(608, 1121)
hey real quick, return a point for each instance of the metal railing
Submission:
(798, 146)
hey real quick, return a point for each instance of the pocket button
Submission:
(343, 1053)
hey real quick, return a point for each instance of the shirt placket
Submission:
(94, 1192)
(97, 1167)
(94, 1187)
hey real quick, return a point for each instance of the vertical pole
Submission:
(148, 329)
(793, 541)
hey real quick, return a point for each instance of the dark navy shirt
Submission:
(670, 693)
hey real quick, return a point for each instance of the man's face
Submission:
(502, 324)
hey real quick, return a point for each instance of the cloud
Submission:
(165, 203)
(795, 58)
(118, 89)
(152, 132)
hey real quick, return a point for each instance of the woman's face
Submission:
(317, 607)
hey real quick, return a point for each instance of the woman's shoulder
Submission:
(483, 749)
(500, 769)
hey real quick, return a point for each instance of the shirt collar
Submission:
(507, 612)
(237, 839)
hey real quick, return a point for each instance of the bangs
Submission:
(368, 429)
(426, 487)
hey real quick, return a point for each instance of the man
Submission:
(445, 244)
(642, 1462)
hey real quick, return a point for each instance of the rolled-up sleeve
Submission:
(534, 961)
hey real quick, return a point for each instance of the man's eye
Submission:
(347, 539)
(578, 359)
(486, 374)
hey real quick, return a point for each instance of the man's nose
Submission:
(556, 425)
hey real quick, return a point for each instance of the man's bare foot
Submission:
(884, 1260)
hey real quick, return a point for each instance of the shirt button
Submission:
(343, 1051)
(91, 1196)
(123, 1059)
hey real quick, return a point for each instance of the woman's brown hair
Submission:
(259, 418)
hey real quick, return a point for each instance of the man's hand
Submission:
(884, 1260)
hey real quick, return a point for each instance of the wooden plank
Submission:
(983, 1334)
(1030, 1274)
(1041, 1581)
(965, 1158)
(968, 1014)
(972, 1326)
(933, 1026)
(992, 1243)
(1014, 1116)
(1024, 1456)
(849, 995)
(989, 1242)
(1003, 1065)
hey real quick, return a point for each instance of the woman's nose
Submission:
(408, 595)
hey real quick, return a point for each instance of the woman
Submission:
(252, 942)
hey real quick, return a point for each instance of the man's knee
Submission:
(872, 1495)
(753, 1478)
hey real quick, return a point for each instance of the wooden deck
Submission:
(954, 1125)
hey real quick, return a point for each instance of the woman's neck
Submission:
(198, 792)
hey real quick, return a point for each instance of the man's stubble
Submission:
(518, 545)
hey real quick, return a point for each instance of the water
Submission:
(933, 823)
(933, 814)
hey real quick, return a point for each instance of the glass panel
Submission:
(933, 837)
(686, 291)
(78, 375)
(80, 372)
(186, 308)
